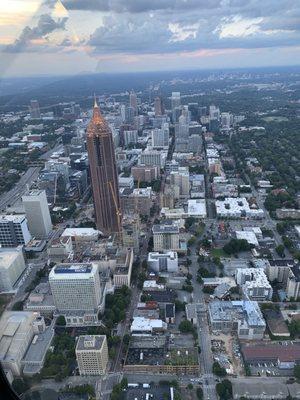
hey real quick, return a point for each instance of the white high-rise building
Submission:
(165, 237)
(92, 354)
(76, 291)
(214, 112)
(153, 158)
(133, 101)
(175, 100)
(181, 178)
(14, 230)
(37, 213)
(130, 137)
(160, 138)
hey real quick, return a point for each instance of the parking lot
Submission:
(269, 369)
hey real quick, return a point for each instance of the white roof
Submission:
(197, 207)
(153, 285)
(247, 235)
(146, 324)
(80, 232)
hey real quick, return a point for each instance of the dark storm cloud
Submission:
(45, 26)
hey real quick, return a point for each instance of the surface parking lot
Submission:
(269, 369)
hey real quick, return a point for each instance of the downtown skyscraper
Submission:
(104, 175)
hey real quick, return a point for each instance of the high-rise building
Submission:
(35, 109)
(104, 175)
(92, 354)
(160, 138)
(37, 213)
(175, 100)
(158, 106)
(76, 291)
(14, 230)
(130, 137)
(133, 101)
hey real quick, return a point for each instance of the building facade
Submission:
(92, 354)
(104, 175)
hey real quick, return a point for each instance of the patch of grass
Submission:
(218, 253)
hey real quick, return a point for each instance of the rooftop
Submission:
(90, 342)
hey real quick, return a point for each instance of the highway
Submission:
(15, 194)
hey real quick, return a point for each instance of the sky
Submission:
(67, 37)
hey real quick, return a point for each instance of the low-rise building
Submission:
(16, 334)
(60, 248)
(92, 354)
(144, 326)
(197, 208)
(163, 262)
(144, 173)
(288, 213)
(243, 317)
(12, 265)
(254, 283)
(237, 208)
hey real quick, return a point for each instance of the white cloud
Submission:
(181, 33)
(238, 27)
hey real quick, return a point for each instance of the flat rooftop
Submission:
(90, 342)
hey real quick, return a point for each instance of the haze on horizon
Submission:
(65, 37)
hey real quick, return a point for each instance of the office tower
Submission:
(12, 265)
(160, 138)
(175, 100)
(127, 114)
(214, 112)
(76, 289)
(104, 175)
(225, 120)
(165, 236)
(202, 111)
(158, 106)
(153, 158)
(194, 111)
(130, 137)
(14, 230)
(92, 354)
(37, 213)
(133, 101)
(35, 109)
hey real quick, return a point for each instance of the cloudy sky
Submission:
(75, 36)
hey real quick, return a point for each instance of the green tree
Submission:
(224, 389)
(61, 321)
(186, 326)
(218, 370)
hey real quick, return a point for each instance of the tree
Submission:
(20, 385)
(61, 321)
(199, 393)
(224, 389)
(280, 250)
(297, 371)
(236, 245)
(218, 370)
(186, 327)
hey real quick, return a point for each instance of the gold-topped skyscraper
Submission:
(104, 176)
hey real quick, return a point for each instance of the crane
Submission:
(118, 211)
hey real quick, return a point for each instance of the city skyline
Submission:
(71, 37)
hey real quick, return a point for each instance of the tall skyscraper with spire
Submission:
(104, 175)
